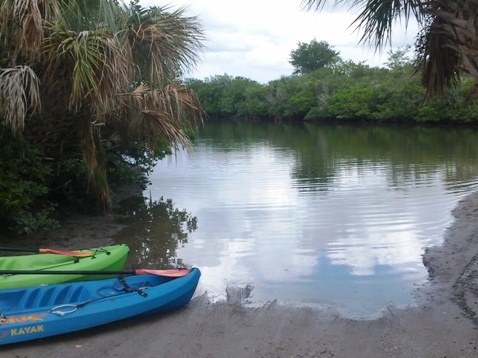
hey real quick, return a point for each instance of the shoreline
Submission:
(443, 324)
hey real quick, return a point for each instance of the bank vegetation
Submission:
(341, 92)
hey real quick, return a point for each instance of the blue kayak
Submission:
(43, 311)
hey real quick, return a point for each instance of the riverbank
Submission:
(443, 324)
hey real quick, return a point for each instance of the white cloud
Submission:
(254, 39)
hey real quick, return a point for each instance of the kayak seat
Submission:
(120, 285)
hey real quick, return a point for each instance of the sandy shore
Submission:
(444, 323)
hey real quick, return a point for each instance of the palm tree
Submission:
(78, 78)
(446, 46)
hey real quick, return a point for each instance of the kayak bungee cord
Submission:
(124, 287)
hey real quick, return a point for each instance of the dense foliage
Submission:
(23, 185)
(90, 90)
(342, 91)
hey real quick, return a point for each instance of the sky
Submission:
(254, 38)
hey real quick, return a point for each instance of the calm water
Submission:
(316, 215)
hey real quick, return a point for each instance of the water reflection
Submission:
(154, 231)
(318, 214)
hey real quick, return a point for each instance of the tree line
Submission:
(326, 88)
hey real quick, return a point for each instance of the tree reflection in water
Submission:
(154, 230)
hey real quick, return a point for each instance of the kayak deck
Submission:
(46, 297)
(103, 258)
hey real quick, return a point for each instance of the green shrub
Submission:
(24, 179)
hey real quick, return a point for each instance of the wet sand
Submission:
(443, 324)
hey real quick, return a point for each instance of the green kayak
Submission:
(101, 258)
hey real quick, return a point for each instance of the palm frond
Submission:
(22, 22)
(94, 61)
(449, 44)
(19, 94)
(98, 186)
(79, 15)
(459, 19)
(317, 5)
(165, 44)
(161, 115)
(376, 17)
(437, 63)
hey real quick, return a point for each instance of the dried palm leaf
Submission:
(164, 44)
(160, 115)
(22, 22)
(19, 94)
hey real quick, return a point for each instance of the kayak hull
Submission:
(103, 258)
(39, 312)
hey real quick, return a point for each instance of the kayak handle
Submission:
(62, 313)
